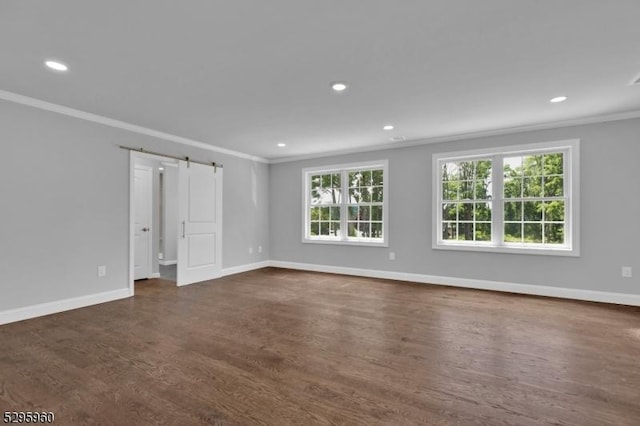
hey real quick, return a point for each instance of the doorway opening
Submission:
(175, 220)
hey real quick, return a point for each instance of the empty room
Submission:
(300, 212)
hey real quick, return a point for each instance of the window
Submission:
(520, 199)
(346, 204)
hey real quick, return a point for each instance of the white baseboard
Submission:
(34, 311)
(168, 262)
(245, 268)
(154, 275)
(48, 308)
(236, 270)
(537, 290)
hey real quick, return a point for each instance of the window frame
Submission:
(344, 169)
(571, 191)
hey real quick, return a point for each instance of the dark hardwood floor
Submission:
(282, 347)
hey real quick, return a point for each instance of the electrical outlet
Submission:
(250, 250)
(392, 255)
(626, 272)
(259, 249)
(102, 271)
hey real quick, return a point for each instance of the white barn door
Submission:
(200, 222)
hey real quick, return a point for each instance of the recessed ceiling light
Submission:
(56, 66)
(558, 99)
(161, 168)
(282, 145)
(339, 86)
(388, 127)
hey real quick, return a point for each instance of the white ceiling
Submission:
(247, 74)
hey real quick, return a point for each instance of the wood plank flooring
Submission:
(279, 347)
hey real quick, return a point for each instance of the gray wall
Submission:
(65, 205)
(610, 207)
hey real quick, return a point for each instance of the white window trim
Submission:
(571, 188)
(306, 174)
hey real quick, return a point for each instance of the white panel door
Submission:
(200, 216)
(142, 221)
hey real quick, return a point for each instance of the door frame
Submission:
(150, 232)
(133, 155)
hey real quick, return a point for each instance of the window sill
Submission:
(345, 242)
(510, 249)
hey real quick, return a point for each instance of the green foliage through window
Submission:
(346, 204)
(530, 208)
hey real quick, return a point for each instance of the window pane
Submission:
(364, 229)
(450, 190)
(466, 190)
(465, 231)
(335, 213)
(465, 211)
(554, 233)
(324, 228)
(449, 211)
(466, 170)
(316, 191)
(554, 211)
(325, 213)
(553, 186)
(482, 212)
(377, 194)
(512, 167)
(483, 232)
(356, 178)
(335, 229)
(376, 230)
(365, 191)
(314, 228)
(335, 180)
(354, 195)
(366, 177)
(483, 170)
(314, 213)
(450, 171)
(376, 213)
(352, 229)
(512, 232)
(353, 213)
(553, 164)
(513, 188)
(533, 211)
(532, 232)
(513, 211)
(482, 189)
(532, 165)
(449, 231)
(364, 213)
(532, 187)
(377, 177)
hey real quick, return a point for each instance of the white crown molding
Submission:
(83, 115)
(536, 290)
(48, 106)
(464, 136)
